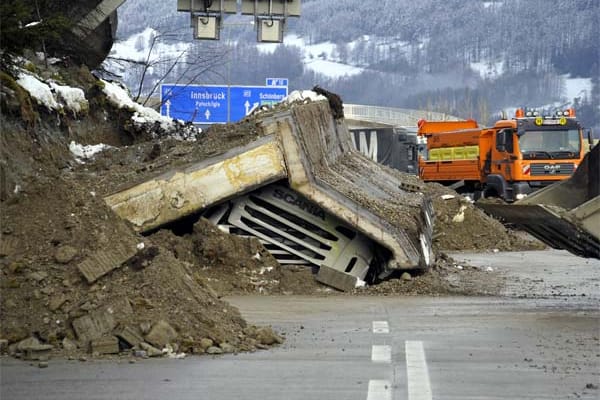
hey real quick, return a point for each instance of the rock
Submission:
(3, 345)
(145, 327)
(43, 364)
(68, 345)
(161, 334)
(267, 337)
(105, 345)
(16, 267)
(205, 343)
(151, 351)
(214, 350)
(38, 276)
(405, 276)
(227, 348)
(65, 254)
(57, 301)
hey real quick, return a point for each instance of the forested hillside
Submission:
(470, 58)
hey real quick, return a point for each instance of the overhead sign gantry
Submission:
(269, 15)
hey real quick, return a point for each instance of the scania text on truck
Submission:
(509, 160)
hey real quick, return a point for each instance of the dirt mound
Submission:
(459, 225)
(74, 277)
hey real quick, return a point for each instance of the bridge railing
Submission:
(393, 116)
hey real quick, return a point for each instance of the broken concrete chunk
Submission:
(161, 334)
(105, 345)
(336, 279)
(93, 326)
(32, 349)
(129, 335)
(103, 261)
(8, 245)
(27, 343)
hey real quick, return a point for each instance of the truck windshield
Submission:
(563, 143)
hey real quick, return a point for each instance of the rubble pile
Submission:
(77, 281)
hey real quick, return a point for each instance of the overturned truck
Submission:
(304, 192)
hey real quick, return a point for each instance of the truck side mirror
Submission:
(590, 136)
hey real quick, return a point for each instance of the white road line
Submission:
(381, 354)
(379, 390)
(381, 327)
(419, 387)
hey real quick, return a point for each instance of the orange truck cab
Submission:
(509, 160)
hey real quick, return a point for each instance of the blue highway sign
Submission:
(213, 104)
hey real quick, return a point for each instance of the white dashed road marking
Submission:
(382, 354)
(381, 327)
(379, 390)
(419, 387)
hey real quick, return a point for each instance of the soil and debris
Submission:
(166, 298)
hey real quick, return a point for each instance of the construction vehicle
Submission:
(565, 215)
(510, 160)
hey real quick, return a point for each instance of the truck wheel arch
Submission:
(495, 183)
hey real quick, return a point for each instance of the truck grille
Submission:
(552, 169)
(295, 230)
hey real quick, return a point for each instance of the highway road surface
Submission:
(539, 340)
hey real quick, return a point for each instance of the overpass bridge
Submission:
(357, 115)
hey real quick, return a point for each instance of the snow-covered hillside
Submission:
(442, 55)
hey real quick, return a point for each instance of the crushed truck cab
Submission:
(307, 152)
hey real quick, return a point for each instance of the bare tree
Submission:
(181, 67)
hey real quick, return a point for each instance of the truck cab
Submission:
(531, 151)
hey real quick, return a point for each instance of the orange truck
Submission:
(510, 160)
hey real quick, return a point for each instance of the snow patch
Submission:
(52, 95)
(148, 119)
(73, 98)
(321, 58)
(85, 152)
(577, 87)
(303, 95)
(488, 69)
(333, 69)
(37, 89)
